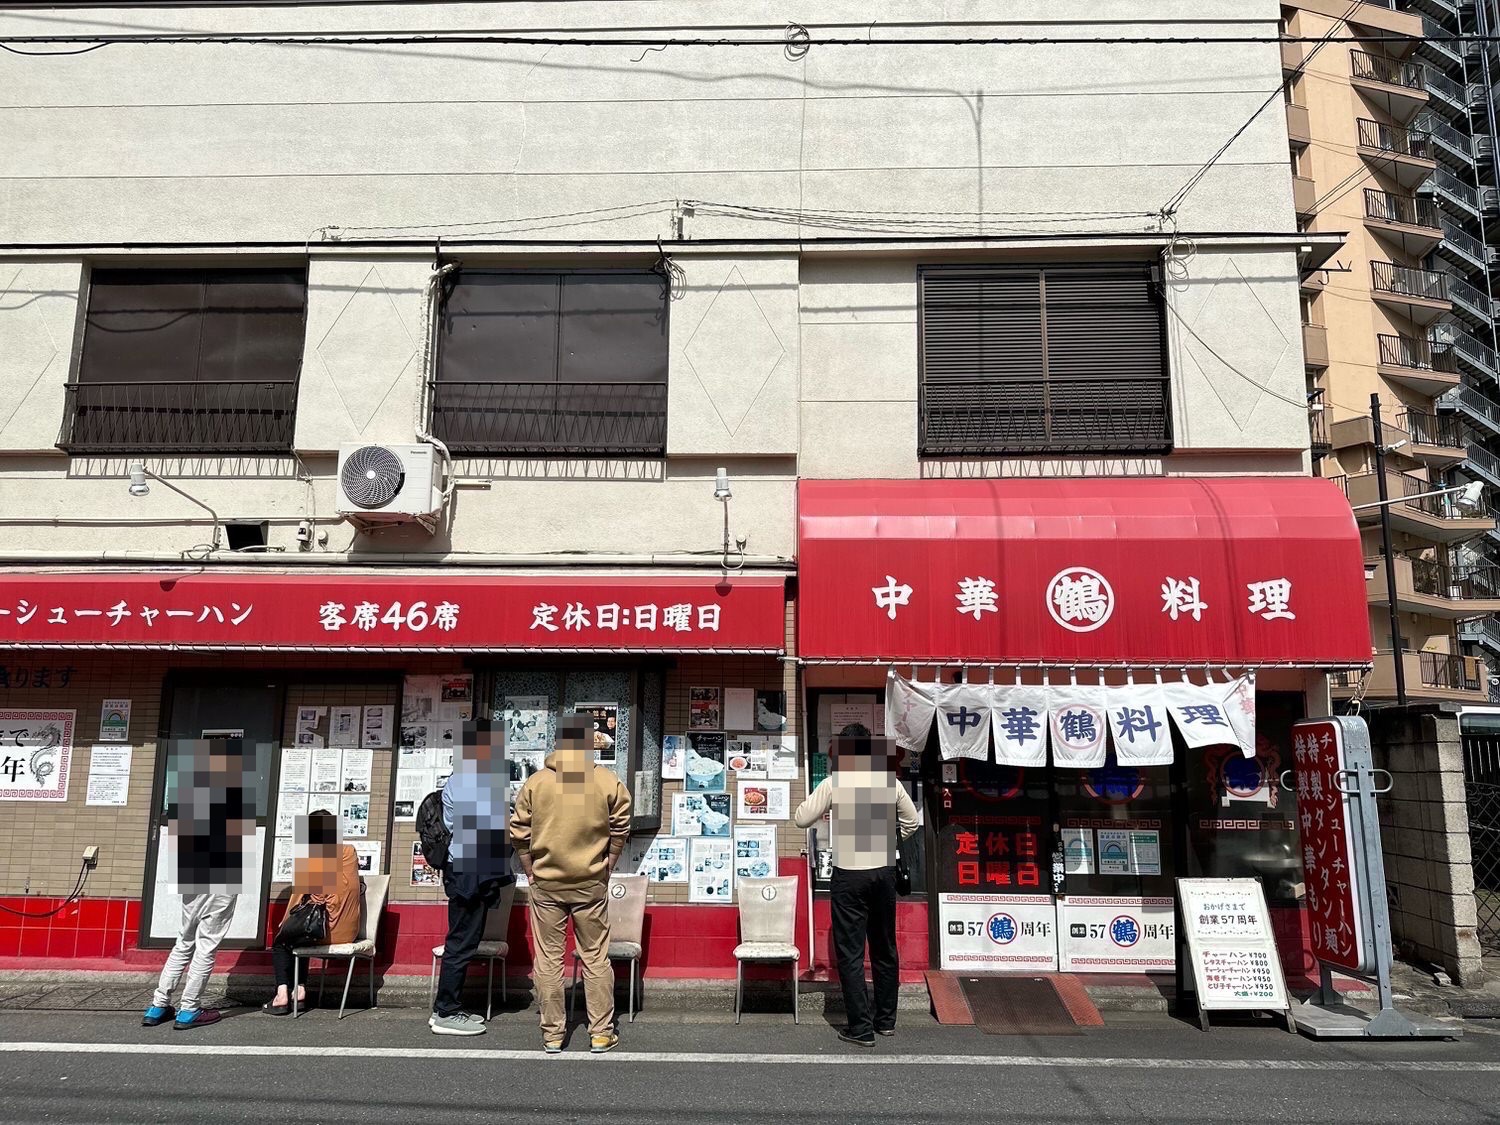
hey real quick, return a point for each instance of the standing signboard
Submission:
(1231, 946)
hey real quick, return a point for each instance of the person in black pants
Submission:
(871, 809)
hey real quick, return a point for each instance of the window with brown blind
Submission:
(188, 361)
(1050, 359)
(553, 362)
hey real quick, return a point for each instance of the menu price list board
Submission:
(1233, 950)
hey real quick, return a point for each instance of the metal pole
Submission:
(1398, 661)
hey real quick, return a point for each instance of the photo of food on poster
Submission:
(747, 756)
(770, 711)
(358, 771)
(674, 752)
(764, 800)
(416, 736)
(377, 728)
(754, 851)
(604, 727)
(665, 861)
(739, 709)
(343, 727)
(705, 771)
(700, 814)
(423, 874)
(705, 709)
(457, 695)
(710, 870)
(525, 718)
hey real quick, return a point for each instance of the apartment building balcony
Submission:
(1437, 519)
(1470, 302)
(1431, 677)
(1408, 222)
(1427, 366)
(1473, 356)
(1417, 294)
(1462, 248)
(1408, 156)
(1435, 589)
(1455, 194)
(1314, 346)
(1298, 124)
(1436, 440)
(1398, 87)
(1317, 425)
(1304, 195)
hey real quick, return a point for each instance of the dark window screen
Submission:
(1055, 359)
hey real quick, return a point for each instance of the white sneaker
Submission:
(460, 1023)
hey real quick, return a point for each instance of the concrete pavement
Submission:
(386, 1066)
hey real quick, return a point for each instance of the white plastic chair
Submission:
(373, 890)
(768, 924)
(627, 918)
(493, 947)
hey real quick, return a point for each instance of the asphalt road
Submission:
(385, 1067)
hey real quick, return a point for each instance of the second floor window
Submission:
(560, 363)
(188, 361)
(1054, 359)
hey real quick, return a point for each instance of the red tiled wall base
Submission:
(90, 927)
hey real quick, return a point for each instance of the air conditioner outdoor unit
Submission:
(384, 484)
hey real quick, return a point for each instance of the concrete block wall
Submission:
(1424, 823)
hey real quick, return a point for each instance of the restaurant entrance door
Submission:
(1050, 868)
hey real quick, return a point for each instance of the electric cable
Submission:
(83, 878)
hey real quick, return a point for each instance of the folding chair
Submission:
(768, 924)
(627, 918)
(374, 890)
(493, 947)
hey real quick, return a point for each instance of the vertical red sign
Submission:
(1333, 891)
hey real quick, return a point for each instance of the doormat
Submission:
(1017, 1005)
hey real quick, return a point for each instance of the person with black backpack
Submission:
(463, 834)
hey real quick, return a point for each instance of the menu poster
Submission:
(700, 814)
(456, 696)
(525, 718)
(603, 721)
(1236, 966)
(354, 814)
(739, 709)
(705, 771)
(764, 800)
(674, 752)
(770, 711)
(710, 869)
(358, 771)
(747, 758)
(423, 874)
(367, 852)
(326, 768)
(782, 759)
(377, 727)
(665, 860)
(754, 851)
(109, 775)
(705, 709)
(343, 727)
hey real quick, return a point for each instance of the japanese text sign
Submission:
(997, 933)
(36, 754)
(1109, 934)
(353, 612)
(1326, 816)
(1081, 571)
(1235, 963)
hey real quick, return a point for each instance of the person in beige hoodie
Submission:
(570, 825)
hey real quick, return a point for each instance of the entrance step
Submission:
(1128, 992)
(951, 1006)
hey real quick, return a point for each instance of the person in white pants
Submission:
(205, 921)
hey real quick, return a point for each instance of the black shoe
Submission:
(848, 1037)
(885, 1031)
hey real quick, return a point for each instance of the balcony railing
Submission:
(1432, 429)
(1317, 424)
(1393, 72)
(1395, 139)
(1476, 582)
(1430, 578)
(179, 417)
(1408, 281)
(558, 419)
(1467, 349)
(1476, 402)
(1410, 488)
(1424, 355)
(1454, 93)
(1389, 207)
(1444, 670)
(1466, 244)
(979, 418)
(1469, 299)
(1447, 135)
(1445, 183)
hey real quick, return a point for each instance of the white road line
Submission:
(674, 1058)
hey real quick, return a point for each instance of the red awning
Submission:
(409, 613)
(1101, 570)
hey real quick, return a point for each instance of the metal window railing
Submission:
(1095, 415)
(1448, 184)
(1431, 578)
(1424, 355)
(1395, 139)
(1461, 238)
(1477, 582)
(1444, 670)
(1317, 423)
(1432, 429)
(558, 419)
(1408, 281)
(1467, 295)
(1393, 72)
(1464, 346)
(179, 417)
(1391, 207)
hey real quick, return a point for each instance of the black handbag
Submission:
(903, 875)
(305, 924)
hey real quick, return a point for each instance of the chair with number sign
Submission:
(494, 945)
(373, 889)
(627, 918)
(768, 925)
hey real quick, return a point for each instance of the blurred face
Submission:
(574, 736)
(315, 862)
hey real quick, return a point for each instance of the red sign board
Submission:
(1234, 570)
(1328, 861)
(353, 612)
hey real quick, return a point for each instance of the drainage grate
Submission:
(1004, 1005)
